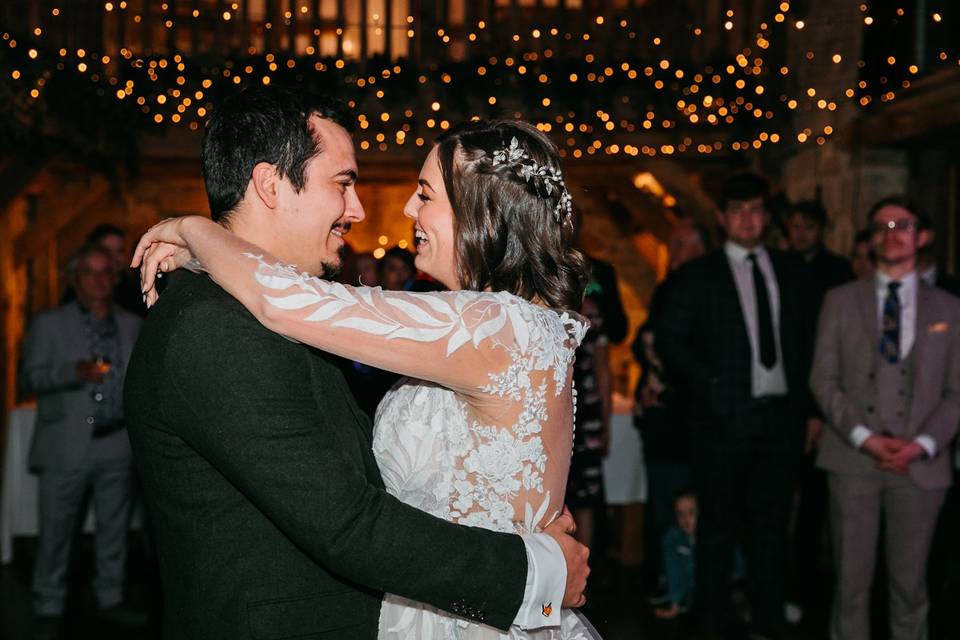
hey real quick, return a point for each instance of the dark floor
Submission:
(618, 611)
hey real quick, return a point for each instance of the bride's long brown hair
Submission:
(507, 231)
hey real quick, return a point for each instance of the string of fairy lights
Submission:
(645, 100)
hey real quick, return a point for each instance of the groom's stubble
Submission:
(330, 270)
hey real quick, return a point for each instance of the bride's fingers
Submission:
(143, 268)
(148, 270)
(137, 255)
(164, 231)
(146, 241)
(566, 522)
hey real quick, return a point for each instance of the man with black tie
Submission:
(737, 332)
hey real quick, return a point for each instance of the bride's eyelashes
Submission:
(423, 197)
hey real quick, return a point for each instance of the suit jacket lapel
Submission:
(923, 318)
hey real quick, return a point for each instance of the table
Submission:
(18, 508)
(18, 504)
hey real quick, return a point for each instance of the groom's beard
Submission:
(330, 270)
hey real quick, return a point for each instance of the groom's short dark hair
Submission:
(262, 124)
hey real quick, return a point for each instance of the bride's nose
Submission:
(411, 208)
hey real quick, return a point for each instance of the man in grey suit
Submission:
(75, 359)
(886, 373)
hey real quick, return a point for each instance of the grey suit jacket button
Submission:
(870, 409)
(871, 375)
(90, 420)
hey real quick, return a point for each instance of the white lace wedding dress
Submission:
(480, 434)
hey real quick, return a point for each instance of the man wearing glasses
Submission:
(886, 374)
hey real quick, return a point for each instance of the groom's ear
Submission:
(266, 184)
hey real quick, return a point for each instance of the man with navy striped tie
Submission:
(886, 374)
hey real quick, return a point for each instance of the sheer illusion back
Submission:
(480, 432)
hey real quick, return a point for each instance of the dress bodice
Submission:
(497, 461)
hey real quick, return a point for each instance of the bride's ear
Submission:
(266, 184)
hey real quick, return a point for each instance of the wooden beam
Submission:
(55, 215)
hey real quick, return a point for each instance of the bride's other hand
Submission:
(162, 249)
(575, 555)
(160, 258)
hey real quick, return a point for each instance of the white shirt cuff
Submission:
(546, 582)
(859, 435)
(929, 444)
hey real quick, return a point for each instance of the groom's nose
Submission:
(354, 211)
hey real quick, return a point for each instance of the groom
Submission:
(270, 514)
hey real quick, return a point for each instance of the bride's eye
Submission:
(423, 197)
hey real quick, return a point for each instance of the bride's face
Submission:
(429, 208)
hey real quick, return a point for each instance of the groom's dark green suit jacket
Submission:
(270, 515)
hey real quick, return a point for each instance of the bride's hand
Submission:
(162, 249)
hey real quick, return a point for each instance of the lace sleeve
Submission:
(457, 339)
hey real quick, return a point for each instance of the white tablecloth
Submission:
(18, 507)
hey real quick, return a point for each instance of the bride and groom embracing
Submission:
(279, 512)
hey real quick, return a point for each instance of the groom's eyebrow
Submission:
(348, 173)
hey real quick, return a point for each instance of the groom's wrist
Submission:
(546, 581)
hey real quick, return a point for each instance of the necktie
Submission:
(768, 346)
(890, 332)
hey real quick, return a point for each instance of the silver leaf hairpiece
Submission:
(528, 169)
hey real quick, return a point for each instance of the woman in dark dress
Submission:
(591, 375)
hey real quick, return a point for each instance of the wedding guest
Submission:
(660, 404)
(126, 290)
(679, 552)
(396, 270)
(679, 544)
(126, 287)
(806, 222)
(927, 266)
(736, 330)
(360, 269)
(943, 576)
(862, 259)
(591, 436)
(886, 373)
(74, 358)
(604, 278)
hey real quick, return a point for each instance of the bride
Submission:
(481, 431)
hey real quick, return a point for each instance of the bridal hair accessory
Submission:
(529, 170)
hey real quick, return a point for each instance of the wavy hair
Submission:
(512, 232)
